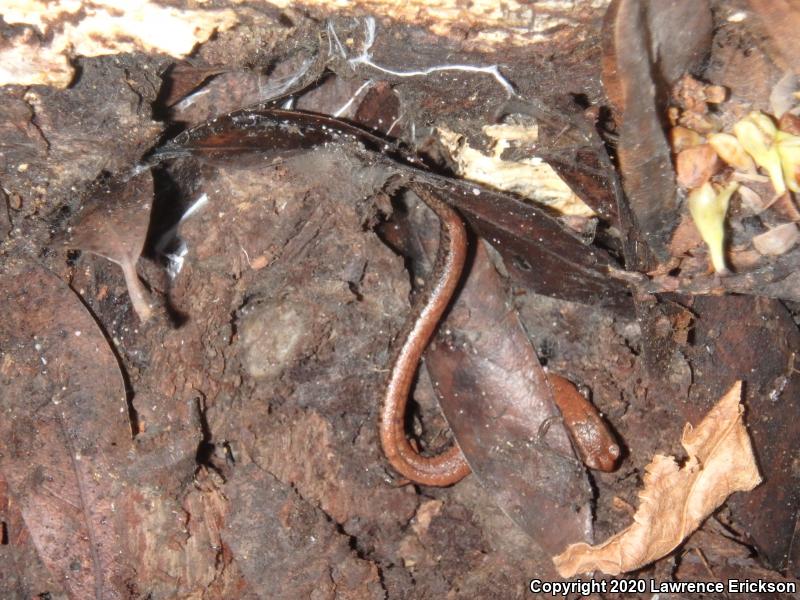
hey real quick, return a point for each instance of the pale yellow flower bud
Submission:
(708, 209)
(789, 151)
(756, 132)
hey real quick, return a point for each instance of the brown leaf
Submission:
(676, 500)
(66, 428)
(778, 240)
(696, 165)
(538, 252)
(495, 396)
(113, 224)
(643, 41)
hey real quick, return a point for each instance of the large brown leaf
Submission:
(647, 46)
(64, 432)
(495, 396)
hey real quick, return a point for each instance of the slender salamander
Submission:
(594, 442)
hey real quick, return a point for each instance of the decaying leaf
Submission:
(64, 437)
(644, 42)
(675, 500)
(531, 178)
(114, 224)
(494, 393)
(777, 240)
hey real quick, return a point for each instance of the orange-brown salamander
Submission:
(450, 466)
(593, 440)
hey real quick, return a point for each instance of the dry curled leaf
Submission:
(675, 500)
(531, 178)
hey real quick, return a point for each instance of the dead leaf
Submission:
(778, 240)
(696, 165)
(113, 224)
(65, 434)
(675, 500)
(643, 41)
(531, 177)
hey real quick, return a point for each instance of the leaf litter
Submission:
(677, 499)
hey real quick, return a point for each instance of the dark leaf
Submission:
(496, 398)
(648, 46)
(537, 249)
(737, 336)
